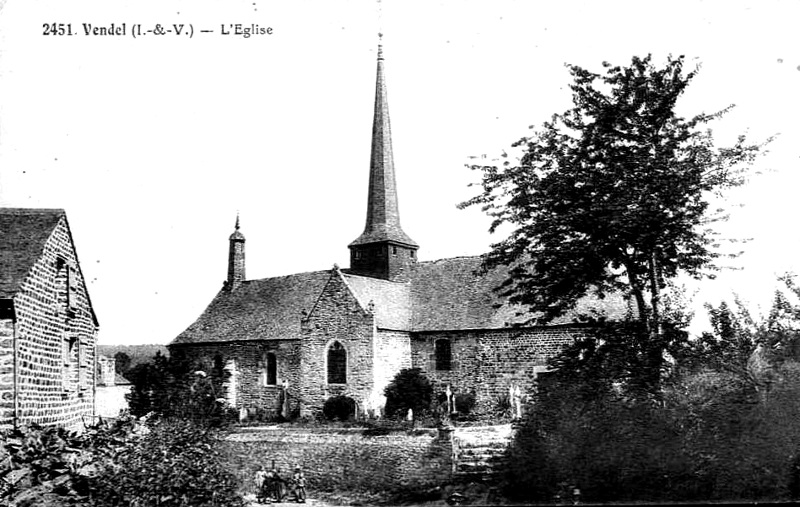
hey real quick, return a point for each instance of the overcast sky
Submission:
(152, 144)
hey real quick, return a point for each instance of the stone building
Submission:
(349, 331)
(47, 323)
(111, 389)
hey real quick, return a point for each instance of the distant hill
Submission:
(137, 353)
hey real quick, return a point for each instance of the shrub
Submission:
(53, 467)
(175, 464)
(339, 408)
(464, 403)
(410, 389)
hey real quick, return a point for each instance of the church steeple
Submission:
(235, 258)
(383, 249)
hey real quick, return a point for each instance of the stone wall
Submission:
(252, 394)
(485, 363)
(345, 459)
(55, 339)
(6, 372)
(337, 316)
(392, 354)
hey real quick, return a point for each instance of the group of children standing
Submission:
(271, 487)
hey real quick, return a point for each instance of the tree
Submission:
(410, 389)
(611, 195)
(172, 387)
(122, 362)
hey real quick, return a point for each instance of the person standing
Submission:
(299, 483)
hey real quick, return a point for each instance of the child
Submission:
(299, 482)
(260, 483)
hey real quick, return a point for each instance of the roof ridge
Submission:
(319, 271)
(457, 257)
(32, 210)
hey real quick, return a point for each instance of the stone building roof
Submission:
(266, 309)
(23, 234)
(444, 295)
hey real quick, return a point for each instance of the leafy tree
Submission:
(171, 387)
(611, 195)
(410, 389)
(122, 362)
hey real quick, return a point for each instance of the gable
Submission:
(25, 236)
(24, 233)
(336, 299)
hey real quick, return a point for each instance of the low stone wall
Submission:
(345, 459)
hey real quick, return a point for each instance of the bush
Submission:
(53, 467)
(464, 403)
(171, 387)
(339, 408)
(175, 464)
(410, 389)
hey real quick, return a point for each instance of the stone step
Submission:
(475, 469)
(488, 445)
(468, 453)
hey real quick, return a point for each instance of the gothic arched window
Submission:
(443, 354)
(337, 364)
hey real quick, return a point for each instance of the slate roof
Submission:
(455, 294)
(444, 295)
(392, 300)
(383, 216)
(266, 309)
(23, 234)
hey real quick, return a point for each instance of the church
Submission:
(292, 342)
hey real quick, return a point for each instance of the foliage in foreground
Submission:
(725, 425)
(167, 463)
(175, 464)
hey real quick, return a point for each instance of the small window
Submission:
(83, 367)
(412, 254)
(272, 370)
(357, 254)
(443, 355)
(394, 250)
(72, 287)
(337, 364)
(70, 371)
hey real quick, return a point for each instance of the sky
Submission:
(153, 144)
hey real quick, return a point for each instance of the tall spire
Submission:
(383, 250)
(383, 217)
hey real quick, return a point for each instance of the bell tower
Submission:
(235, 258)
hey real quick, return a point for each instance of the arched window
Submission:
(272, 369)
(443, 354)
(337, 364)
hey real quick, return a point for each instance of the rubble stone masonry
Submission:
(55, 331)
(6, 372)
(486, 362)
(253, 394)
(337, 316)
